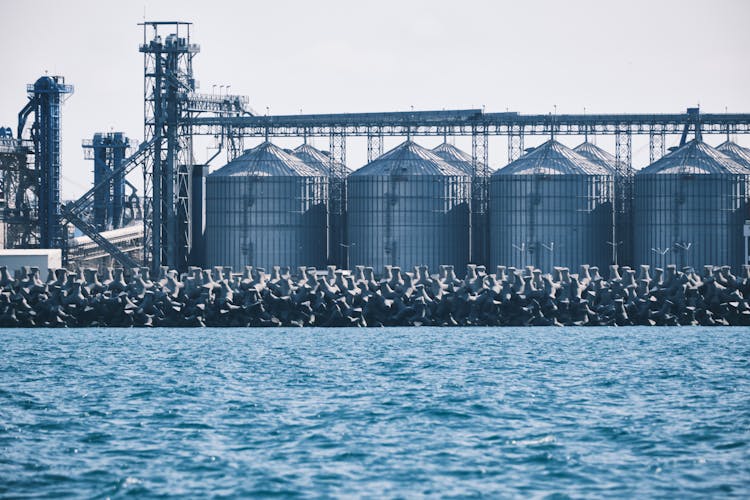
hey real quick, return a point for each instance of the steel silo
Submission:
(266, 208)
(456, 157)
(736, 152)
(622, 221)
(319, 160)
(597, 155)
(479, 207)
(689, 209)
(551, 207)
(336, 173)
(407, 208)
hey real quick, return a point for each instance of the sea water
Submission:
(402, 412)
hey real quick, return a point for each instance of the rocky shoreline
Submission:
(254, 298)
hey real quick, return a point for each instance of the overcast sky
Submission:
(345, 56)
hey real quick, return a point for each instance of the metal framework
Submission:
(623, 227)
(45, 100)
(337, 196)
(168, 80)
(73, 212)
(174, 113)
(374, 145)
(479, 242)
(18, 198)
(108, 150)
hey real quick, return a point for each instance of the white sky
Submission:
(346, 56)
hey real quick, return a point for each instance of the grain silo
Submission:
(551, 207)
(320, 160)
(479, 221)
(266, 208)
(456, 157)
(689, 209)
(736, 152)
(407, 208)
(597, 155)
(336, 173)
(622, 220)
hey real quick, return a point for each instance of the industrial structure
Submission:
(173, 204)
(266, 208)
(552, 207)
(108, 150)
(479, 245)
(336, 173)
(30, 166)
(690, 209)
(407, 208)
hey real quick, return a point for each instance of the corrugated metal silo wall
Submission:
(696, 219)
(266, 221)
(570, 215)
(409, 221)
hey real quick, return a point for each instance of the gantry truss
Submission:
(475, 123)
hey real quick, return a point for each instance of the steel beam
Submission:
(515, 143)
(479, 208)
(168, 114)
(656, 144)
(337, 251)
(461, 123)
(374, 146)
(623, 195)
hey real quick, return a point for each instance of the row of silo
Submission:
(552, 207)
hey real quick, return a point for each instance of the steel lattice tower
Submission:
(46, 97)
(168, 80)
(108, 150)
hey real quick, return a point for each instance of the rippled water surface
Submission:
(381, 413)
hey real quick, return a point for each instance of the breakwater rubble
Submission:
(255, 298)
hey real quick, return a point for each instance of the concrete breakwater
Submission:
(508, 297)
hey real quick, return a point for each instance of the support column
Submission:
(197, 251)
(479, 228)
(656, 143)
(337, 238)
(624, 196)
(515, 143)
(374, 145)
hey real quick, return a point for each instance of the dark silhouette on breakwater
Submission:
(254, 298)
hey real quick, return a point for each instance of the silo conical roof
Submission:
(456, 157)
(698, 158)
(411, 159)
(317, 159)
(597, 155)
(736, 152)
(267, 160)
(553, 158)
